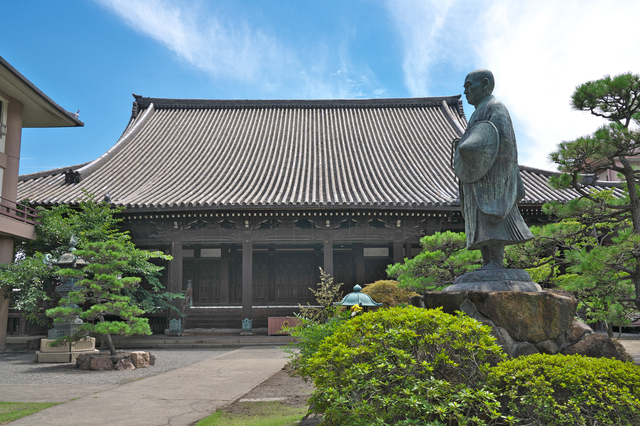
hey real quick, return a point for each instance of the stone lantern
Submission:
(358, 298)
(66, 352)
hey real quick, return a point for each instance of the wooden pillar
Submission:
(271, 284)
(359, 252)
(408, 252)
(328, 258)
(175, 270)
(397, 252)
(224, 274)
(247, 277)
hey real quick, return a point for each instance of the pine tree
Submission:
(102, 287)
(607, 272)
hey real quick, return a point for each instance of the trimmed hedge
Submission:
(568, 390)
(388, 293)
(405, 366)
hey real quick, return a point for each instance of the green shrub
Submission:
(405, 366)
(568, 390)
(388, 293)
(310, 335)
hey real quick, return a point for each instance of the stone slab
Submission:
(61, 357)
(79, 346)
(522, 286)
(495, 280)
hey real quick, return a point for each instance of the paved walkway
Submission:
(176, 398)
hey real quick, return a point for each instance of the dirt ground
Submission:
(282, 387)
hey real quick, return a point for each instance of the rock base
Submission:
(526, 323)
(120, 361)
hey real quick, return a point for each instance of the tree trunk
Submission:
(112, 348)
(609, 330)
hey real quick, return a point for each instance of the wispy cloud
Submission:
(429, 33)
(538, 51)
(229, 48)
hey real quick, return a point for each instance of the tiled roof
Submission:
(373, 153)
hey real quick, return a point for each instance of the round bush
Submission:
(388, 293)
(568, 390)
(405, 366)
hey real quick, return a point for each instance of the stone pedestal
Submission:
(525, 323)
(67, 352)
(495, 280)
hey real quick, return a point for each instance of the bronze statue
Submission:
(486, 163)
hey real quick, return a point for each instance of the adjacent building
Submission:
(22, 105)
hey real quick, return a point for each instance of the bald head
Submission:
(478, 85)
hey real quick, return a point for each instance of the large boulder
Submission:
(125, 364)
(140, 359)
(528, 317)
(594, 345)
(525, 323)
(101, 363)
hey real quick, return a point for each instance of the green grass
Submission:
(10, 411)
(256, 414)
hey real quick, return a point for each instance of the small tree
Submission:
(326, 294)
(102, 285)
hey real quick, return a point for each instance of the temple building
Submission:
(252, 197)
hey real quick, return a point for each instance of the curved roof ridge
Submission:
(128, 134)
(59, 170)
(143, 102)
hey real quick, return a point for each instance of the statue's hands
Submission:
(454, 147)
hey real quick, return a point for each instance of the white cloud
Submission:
(421, 25)
(229, 48)
(538, 51)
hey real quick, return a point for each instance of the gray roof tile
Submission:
(317, 153)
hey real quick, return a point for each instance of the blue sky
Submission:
(92, 54)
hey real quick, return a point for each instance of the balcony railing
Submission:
(18, 211)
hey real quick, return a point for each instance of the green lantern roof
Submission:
(358, 298)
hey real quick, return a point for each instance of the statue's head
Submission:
(478, 85)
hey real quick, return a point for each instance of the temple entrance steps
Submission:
(230, 317)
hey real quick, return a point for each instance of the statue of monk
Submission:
(486, 164)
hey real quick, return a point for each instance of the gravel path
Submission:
(19, 368)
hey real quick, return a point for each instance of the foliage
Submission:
(90, 221)
(606, 272)
(309, 335)
(11, 411)
(559, 390)
(101, 288)
(405, 366)
(29, 276)
(256, 414)
(444, 258)
(326, 294)
(388, 293)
